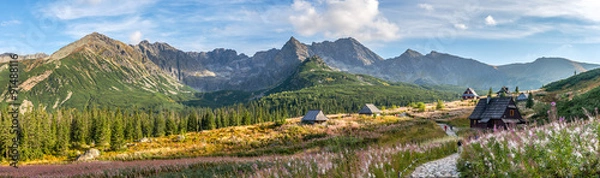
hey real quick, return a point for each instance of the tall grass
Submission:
(557, 149)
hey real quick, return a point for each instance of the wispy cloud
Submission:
(116, 27)
(427, 7)
(9, 23)
(75, 9)
(460, 26)
(357, 18)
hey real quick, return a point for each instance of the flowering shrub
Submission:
(557, 149)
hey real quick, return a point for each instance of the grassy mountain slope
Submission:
(582, 81)
(314, 72)
(576, 92)
(316, 86)
(96, 70)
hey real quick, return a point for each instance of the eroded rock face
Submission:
(90, 154)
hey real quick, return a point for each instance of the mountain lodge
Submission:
(470, 94)
(495, 112)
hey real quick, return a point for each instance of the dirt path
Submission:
(445, 167)
(449, 130)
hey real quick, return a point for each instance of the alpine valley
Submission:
(97, 70)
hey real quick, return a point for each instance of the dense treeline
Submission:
(57, 132)
(348, 98)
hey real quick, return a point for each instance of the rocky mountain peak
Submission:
(94, 42)
(409, 53)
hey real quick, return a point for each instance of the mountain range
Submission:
(97, 70)
(225, 69)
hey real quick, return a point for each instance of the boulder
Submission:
(179, 138)
(144, 140)
(89, 155)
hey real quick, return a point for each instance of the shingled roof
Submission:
(470, 90)
(494, 109)
(522, 97)
(504, 90)
(314, 115)
(369, 109)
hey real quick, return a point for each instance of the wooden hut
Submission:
(314, 116)
(469, 94)
(504, 90)
(522, 97)
(495, 112)
(370, 109)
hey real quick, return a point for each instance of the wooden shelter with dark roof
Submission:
(314, 116)
(499, 112)
(522, 97)
(370, 109)
(504, 90)
(469, 94)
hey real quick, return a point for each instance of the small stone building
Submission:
(314, 116)
(370, 109)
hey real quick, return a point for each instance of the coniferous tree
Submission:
(63, 133)
(137, 126)
(159, 125)
(116, 139)
(181, 125)
(246, 118)
(78, 131)
(170, 126)
(530, 102)
(209, 119)
(5, 135)
(128, 130)
(192, 122)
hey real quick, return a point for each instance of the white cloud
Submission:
(135, 37)
(489, 20)
(427, 7)
(460, 26)
(113, 28)
(75, 9)
(360, 19)
(9, 23)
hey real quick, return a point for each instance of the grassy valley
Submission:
(351, 145)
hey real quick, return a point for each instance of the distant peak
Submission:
(411, 53)
(94, 35)
(349, 39)
(293, 43)
(550, 59)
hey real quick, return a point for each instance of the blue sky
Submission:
(492, 31)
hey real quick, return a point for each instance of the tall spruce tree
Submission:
(170, 126)
(159, 125)
(192, 122)
(117, 136)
